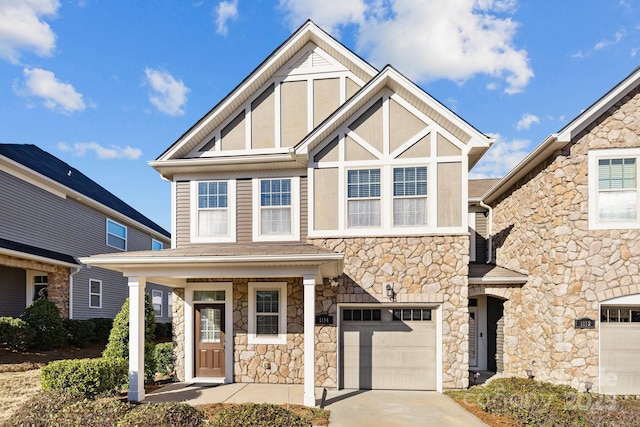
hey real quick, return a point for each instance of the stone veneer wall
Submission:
(541, 227)
(57, 277)
(177, 326)
(431, 269)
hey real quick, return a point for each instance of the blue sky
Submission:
(107, 85)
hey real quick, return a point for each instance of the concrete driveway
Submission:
(348, 407)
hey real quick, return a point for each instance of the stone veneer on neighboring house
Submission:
(542, 229)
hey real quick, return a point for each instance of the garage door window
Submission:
(361, 315)
(412, 314)
(617, 314)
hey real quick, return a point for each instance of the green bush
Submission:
(15, 334)
(163, 414)
(40, 409)
(91, 413)
(88, 377)
(80, 332)
(264, 414)
(164, 358)
(164, 331)
(118, 346)
(103, 328)
(44, 320)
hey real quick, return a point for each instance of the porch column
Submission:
(309, 284)
(136, 338)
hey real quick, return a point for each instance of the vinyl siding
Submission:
(244, 213)
(182, 231)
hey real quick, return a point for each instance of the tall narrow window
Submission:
(116, 235)
(275, 206)
(156, 300)
(410, 196)
(267, 313)
(617, 190)
(95, 293)
(363, 198)
(213, 204)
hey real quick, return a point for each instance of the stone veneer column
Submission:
(58, 289)
(178, 333)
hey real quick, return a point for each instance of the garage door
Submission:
(388, 349)
(620, 350)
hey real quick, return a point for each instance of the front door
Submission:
(209, 340)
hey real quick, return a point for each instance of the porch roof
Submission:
(484, 274)
(222, 260)
(16, 249)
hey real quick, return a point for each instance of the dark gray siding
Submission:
(14, 291)
(36, 217)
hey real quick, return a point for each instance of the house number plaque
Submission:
(324, 319)
(585, 323)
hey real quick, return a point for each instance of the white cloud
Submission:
(104, 153)
(439, 39)
(22, 27)
(55, 95)
(168, 95)
(526, 121)
(226, 11)
(617, 38)
(501, 158)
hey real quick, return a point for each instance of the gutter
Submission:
(71, 274)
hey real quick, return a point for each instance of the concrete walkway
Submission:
(348, 407)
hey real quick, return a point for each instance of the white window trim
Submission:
(593, 157)
(126, 235)
(383, 214)
(230, 237)
(154, 293)
(31, 285)
(281, 338)
(93, 293)
(295, 212)
(424, 197)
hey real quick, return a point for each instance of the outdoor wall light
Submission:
(588, 386)
(391, 293)
(530, 374)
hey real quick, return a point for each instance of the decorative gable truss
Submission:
(299, 96)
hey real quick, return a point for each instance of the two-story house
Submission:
(320, 231)
(51, 214)
(567, 218)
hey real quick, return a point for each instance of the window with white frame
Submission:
(116, 235)
(156, 300)
(410, 196)
(213, 219)
(156, 245)
(613, 188)
(95, 293)
(363, 198)
(277, 216)
(169, 304)
(267, 313)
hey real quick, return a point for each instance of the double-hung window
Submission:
(116, 235)
(95, 293)
(156, 300)
(363, 198)
(410, 196)
(277, 216)
(214, 217)
(267, 313)
(613, 186)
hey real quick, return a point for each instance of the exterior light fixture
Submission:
(530, 374)
(390, 292)
(588, 386)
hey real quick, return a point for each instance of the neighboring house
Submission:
(568, 219)
(320, 231)
(50, 215)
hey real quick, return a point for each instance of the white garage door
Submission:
(620, 350)
(388, 349)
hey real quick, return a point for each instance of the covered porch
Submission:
(241, 313)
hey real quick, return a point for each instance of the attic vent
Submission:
(310, 60)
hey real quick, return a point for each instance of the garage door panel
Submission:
(619, 354)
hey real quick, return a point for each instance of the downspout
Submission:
(490, 242)
(71, 274)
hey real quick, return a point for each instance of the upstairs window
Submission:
(363, 198)
(410, 196)
(613, 188)
(116, 235)
(278, 213)
(213, 219)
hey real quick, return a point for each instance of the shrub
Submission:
(91, 413)
(80, 332)
(264, 414)
(164, 331)
(118, 346)
(15, 334)
(164, 358)
(40, 409)
(88, 377)
(103, 328)
(163, 414)
(44, 320)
